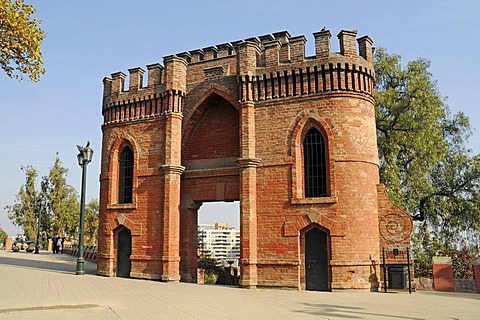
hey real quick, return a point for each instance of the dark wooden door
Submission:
(316, 260)
(396, 277)
(124, 250)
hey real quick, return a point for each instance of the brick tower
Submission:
(291, 137)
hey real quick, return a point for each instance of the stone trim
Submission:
(319, 200)
(172, 169)
(122, 206)
(248, 162)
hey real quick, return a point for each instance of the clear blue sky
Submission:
(88, 40)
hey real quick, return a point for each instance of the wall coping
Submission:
(442, 260)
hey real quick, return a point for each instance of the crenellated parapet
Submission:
(163, 95)
(144, 107)
(285, 71)
(307, 80)
(271, 66)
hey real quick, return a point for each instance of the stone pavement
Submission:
(44, 286)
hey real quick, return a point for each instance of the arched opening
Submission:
(209, 185)
(212, 137)
(313, 162)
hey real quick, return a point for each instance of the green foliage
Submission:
(3, 237)
(205, 262)
(461, 264)
(426, 249)
(423, 159)
(62, 201)
(24, 211)
(212, 272)
(56, 202)
(409, 117)
(91, 223)
(210, 277)
(20, 40)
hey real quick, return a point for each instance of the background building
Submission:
(219, 242)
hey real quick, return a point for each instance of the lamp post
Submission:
(40, 211)
(37, 244)
(84, 158)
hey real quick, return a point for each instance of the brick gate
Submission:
(291, 137)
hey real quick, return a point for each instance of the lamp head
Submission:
(85, 155)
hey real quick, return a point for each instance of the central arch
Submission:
(210, 149)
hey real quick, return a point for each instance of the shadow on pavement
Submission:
(45, 261)
(345, 312)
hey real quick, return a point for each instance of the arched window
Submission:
(126, 176)
(315, 164)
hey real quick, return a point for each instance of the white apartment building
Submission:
(220, 242)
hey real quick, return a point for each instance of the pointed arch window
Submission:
(315, 164)
(126, 176)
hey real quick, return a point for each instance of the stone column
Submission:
(170, 224)
(442, 274)
(8, 244)
(189, 240)
(248, 197)
(175, 87)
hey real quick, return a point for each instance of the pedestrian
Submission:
(59, 245)
(54, 244)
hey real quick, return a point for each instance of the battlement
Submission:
(268, 67)
(273, 50)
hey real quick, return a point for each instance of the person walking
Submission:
(59, 245)
(54, 244)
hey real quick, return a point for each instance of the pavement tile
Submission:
(44, 286)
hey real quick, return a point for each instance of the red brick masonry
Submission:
(443, 274)
(476, 273)
(227, 123)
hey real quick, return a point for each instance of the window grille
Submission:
(126, 176)
(315, 164)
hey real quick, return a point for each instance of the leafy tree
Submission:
(423, 159)
(461, 259)
(461, 264)
(20, 40)
(409, 117)
(56, 201)
(62, 202)
(91, 223)
(24, 212)
(3, 237)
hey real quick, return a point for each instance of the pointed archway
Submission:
(210, 149)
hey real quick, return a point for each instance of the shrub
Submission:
(210, 277)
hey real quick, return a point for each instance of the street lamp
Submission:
(37, 244)
(42, 206)
(84, 157)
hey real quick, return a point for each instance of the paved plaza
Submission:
(44, 286)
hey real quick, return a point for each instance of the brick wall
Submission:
(443, 274)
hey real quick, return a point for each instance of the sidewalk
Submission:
(44, 286)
